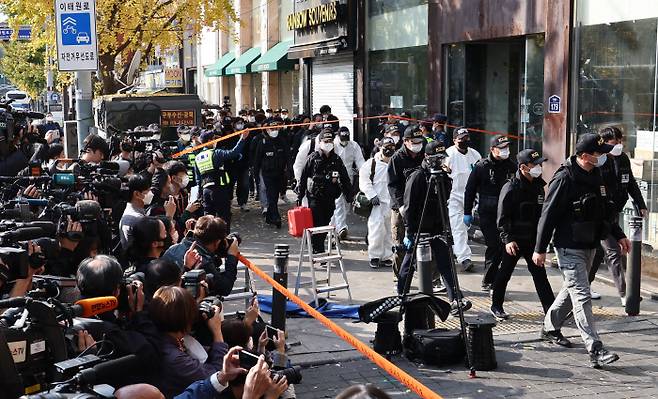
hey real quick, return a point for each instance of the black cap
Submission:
(440, 118)
(500, 141)
(344, 131)
(529, 156)
(413, 132)
(274, 121)
(325, 109)
(590, 143)
(435, 148)
(392, 128)
(326, 133)
(207, 135)
(387, 141)
(462, 132)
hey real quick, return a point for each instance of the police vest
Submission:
(205, 164)
(191, 162)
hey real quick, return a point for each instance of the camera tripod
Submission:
(437, 182)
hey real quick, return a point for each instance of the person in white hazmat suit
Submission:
(375, 187)
(351, 154)
(461, 159)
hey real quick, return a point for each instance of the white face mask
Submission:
(617, 150)
(267, 114)
(396, 139)
(148, 198)
(327, 147)
(239, 126)
(252, 119)
(284, 116)
(503, 153)
(600, 160)
(415, 148)
(273, 133)
(185, 138)
(535, 171)
(185, 181)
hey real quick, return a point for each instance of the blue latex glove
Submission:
(408, 243)
(468, 220)
(375, 201)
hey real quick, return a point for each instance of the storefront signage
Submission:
(313, 16)
(322, 27)
(173, 77)
(554, 104)
(177, 118)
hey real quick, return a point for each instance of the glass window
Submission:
(397, 81)
(616, 86)
(286, 7)
(455, 84)
(254, 20)
(396, 24)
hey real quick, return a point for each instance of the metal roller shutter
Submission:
(332, 83)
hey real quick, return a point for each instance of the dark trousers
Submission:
(493, 255)
(322, 210)
(272, 187)
(242, 186)
(217, 202)
(543, 287)
(441, 260)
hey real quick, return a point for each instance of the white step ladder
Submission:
(323, 260)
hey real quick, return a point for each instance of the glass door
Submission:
(531, 115)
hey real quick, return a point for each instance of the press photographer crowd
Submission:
(114, 265)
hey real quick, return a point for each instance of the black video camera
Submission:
(222, 250)
(192, 280)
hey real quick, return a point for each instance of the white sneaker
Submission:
(623, 301)
(594, 294)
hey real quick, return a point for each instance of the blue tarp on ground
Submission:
(326, 308)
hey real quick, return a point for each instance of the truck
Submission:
(121, 112)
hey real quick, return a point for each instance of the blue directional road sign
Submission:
(76, 35)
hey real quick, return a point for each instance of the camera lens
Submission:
(293, 374)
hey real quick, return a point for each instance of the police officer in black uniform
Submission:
(621, 183)
(577, 214)
(323, 180)
(415, 193)
(402, 164)
(270, 161)
(486, 180)
(519, 208)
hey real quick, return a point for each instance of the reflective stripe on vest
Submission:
(204, 162)
(190, 161)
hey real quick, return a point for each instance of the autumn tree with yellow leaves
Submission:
(125, 26)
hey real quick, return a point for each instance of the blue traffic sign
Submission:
(24, 33)
(5, 33)
(76, 28)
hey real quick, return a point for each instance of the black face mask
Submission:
(463, 145)
(388, 152)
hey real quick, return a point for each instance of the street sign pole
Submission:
(83, 105)
(77, 51)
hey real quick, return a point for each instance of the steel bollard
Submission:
(634, 267)
(281, 253)
(424, 262)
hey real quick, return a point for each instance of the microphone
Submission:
(94, 306)
(108, 371)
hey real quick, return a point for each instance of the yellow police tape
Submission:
(397, 373)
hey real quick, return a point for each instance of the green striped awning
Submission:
(275, 59)
(243, 63)
(218, 68)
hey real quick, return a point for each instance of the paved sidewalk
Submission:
(526, 366)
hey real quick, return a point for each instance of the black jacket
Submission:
(270, 156)
(400, 167)
(486, 180)
(321, 169)
(619, 178)
(415, 192)
(519, 209)
(574, 228)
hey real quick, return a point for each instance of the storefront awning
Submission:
(218, 68)
(243, 63)
(276, 59)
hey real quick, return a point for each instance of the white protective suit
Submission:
(300, 160)
(351, 154)
(380, 241)
(460, 166)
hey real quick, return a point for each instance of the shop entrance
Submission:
(498, 86)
